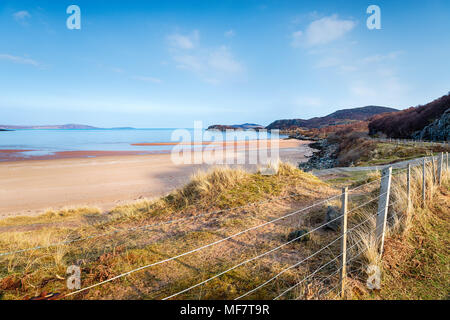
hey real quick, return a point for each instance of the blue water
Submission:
(43, 142)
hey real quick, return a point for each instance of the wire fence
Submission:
(380, 217)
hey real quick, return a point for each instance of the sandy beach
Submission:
(100, 179)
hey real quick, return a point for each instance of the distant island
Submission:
(55, 127)
(245, 126)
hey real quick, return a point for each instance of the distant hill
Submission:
(64, 126)
(245, 126)
(339, 117)
(409, 122)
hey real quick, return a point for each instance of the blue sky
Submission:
(168, 63)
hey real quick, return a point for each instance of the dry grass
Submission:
(218, 189)
(236, 200)
(404, 225)
(52, 216)
(391, 152)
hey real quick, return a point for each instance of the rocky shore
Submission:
(299, 136)
(323, 158)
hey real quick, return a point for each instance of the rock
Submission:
(332, 214)
(325, 158)
(439, 130)
(299, 233)
(300, 136)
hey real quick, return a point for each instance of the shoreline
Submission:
(13, 155)
(32, 187)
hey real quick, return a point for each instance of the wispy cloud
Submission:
(328, 62)
(181, 41)
(147, 79)
(344, 62)
(212, 64)
(380, 57)
(229, 34)
(21, 16)
(222, 60)
(322, 31)
(20, 60)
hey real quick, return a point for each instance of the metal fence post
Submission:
(383, 206)
(344, 201)
(408, 188)
(424, 182)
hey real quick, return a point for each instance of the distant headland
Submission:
(245, 126)
(55, 127)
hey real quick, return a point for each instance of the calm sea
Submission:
(49, 141)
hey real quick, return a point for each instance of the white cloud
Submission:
(380, 57)
(184, 41)
(328, 62)
(222, 60)
(213, 65)
(189, 62)
(297, 38)
(304, 17)
(21, 16)
(229, 34)
(147, 79)
(20, 60)
(322, 31)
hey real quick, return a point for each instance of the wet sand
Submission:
(18, 155)
(108, 179)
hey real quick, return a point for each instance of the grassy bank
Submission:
(355, 149)
(416, 257)
(233, 200)
(214, 206)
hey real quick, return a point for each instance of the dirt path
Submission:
(398, 165)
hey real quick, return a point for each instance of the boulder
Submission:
(299, 233)
(331, 215)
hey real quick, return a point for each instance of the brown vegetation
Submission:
(403, 124)
(340, 117)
